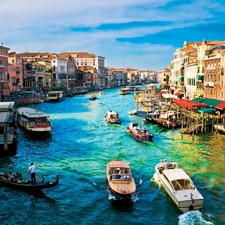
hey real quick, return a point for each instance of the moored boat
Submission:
(179, 186)
(120, 179)
(8, 126)
(112, 117)
(33, 120)
(139, 133)
(16, 181)
(55, 96)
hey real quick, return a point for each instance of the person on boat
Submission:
(10, 177)
(32, 172)
(166, 164)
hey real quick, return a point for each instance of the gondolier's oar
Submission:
(42, 180)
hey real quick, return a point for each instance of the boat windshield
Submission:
(182, 184)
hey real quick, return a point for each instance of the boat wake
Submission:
(193, 217)
(112, 197)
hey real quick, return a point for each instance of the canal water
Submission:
(78, 150)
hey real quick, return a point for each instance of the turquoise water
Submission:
(78, 150)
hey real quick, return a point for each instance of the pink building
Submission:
(4, 84)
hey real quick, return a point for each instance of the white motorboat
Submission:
(112, 117)
(124, 91)
(179, 186)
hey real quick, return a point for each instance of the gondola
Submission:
(19, 183)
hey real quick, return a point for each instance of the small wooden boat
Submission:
(120, 180)
(179, 186)
(93, 97)
(139, 133)
(19, 183)
(112, 117)
(33, 120)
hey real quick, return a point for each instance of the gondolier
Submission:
(32, 172)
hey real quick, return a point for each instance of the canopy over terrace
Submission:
(220, 106)
(189, 104)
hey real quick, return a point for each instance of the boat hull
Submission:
(139, 136)
(119, 196)
(26, 184)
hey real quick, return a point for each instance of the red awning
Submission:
(220, 106)
(189, 104)
(178, 94)
(223, 115)
(163, 92)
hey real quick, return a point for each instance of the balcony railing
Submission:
(209, 83)
(210, 68)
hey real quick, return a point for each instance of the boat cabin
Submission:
(178, 179)
(112, 115)
(119, 172)
(55, 95)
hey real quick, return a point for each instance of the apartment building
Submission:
(15, 71)
(4, 79)
(214, 72)
(59, 72)
(87, 59)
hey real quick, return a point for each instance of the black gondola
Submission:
(19, 183)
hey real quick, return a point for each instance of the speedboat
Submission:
(120, 180)
(33, 120)
(179, 186)
(139, 133)
(112, 117)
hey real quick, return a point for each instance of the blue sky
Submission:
(139, 34)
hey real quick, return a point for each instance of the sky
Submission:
(139, 34)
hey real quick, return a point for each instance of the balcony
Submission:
(209, 83)
(211, 68)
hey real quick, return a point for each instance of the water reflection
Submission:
(122, 205)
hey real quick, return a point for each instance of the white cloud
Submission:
(45, 26)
